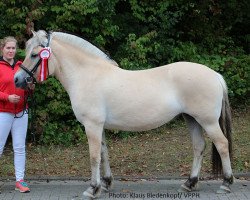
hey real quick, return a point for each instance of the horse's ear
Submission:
(34, 33)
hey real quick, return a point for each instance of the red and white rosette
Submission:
(44, 55)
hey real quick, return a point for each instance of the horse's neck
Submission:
(75, 66)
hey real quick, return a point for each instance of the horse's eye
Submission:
(33, 55)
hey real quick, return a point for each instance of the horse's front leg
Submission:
(94, 134)
(107, 178)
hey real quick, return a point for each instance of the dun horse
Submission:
(104, 96)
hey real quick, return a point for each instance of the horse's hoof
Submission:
(107, 183)
(106, 188)
(92, 192)
(223, 190)
(184, 188)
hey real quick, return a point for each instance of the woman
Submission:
(13, 118)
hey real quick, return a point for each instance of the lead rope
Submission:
(27, 111)
(32, 117)
(25, 102)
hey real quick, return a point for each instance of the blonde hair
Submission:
(7, 39)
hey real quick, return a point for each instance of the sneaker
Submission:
(22, 186)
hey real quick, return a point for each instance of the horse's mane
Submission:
(40, 37)
(80, 43)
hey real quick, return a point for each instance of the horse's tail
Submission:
(225, 122)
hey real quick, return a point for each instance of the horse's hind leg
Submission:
(221, 143)
(198, 148)
(107, 178)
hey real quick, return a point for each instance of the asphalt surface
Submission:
(123, 189)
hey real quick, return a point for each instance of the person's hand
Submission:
(13, 98)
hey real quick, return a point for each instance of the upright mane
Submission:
(40, 38)
(80, 43)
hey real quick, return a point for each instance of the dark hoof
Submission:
(92, 192)
(223, 190)
(184, 188)
(107, 183)
(189, 185)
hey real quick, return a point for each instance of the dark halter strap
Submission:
(34, 69)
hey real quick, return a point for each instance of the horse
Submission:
(105, 96)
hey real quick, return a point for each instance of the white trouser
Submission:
(18, 129)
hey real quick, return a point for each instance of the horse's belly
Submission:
(142, 118)
(132, 126)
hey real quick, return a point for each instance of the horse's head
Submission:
(33, 68)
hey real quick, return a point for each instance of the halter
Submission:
(31, 78)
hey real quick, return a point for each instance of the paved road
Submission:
(140, 189)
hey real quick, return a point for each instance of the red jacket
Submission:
(7, 87)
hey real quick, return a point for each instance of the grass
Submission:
(165, 151)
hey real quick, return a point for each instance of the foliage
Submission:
(137, 50)
(138, 35)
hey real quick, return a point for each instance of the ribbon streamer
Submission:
(44, 55)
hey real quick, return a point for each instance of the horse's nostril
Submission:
(16, 80)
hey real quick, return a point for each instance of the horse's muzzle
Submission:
(21, 82)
